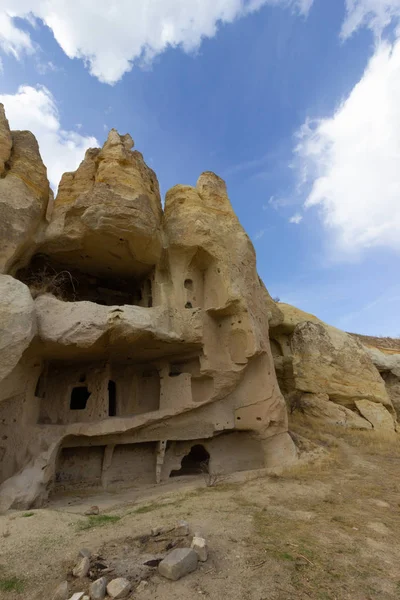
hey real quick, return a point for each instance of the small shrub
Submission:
(211, 478)
(28, 514)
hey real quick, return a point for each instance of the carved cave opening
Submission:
(194, 463)
(79, 398)
(46, 276)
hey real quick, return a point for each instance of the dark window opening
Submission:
(194, 463)
(188, 284)
(112, 399)
(175, 371)
(79, 398)
(188, 305)
(82, 378)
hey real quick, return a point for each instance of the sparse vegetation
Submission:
(97, 521)
(147, 508)
(28, 514)
(49, 281)
(212, 478)
(11, 584)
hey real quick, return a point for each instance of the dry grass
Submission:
(381, 342)
(48, 281)
(325, 530)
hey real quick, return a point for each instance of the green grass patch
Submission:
(285, 556)
(28, 514)
(97, 521)
(11, 584)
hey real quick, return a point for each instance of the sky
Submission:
(295, 103)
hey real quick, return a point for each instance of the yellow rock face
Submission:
(24, 193)
(107, 214)
(314, 358)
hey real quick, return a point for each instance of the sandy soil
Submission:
(324, 530)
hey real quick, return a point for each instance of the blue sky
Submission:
(295, 103)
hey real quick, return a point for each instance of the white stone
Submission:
(199, 545)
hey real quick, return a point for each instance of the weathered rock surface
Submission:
(320, 365)
(327, 360)
(118, 588)
(178, 563)
(107, 215)
(24, 192)
(377, 415)
(17, 322)
(388, 364)
(320, 407)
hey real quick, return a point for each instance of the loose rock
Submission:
(93, 510)
(85, 553)
(81, 569)
(199, 545)
(97, 589)
(178, 563)
(182, 528)
(118, 588)
(61, 592)
(77, 596)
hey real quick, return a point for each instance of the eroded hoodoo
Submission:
(136, 340)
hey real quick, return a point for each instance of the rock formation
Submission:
(137, 343)
(329, 374)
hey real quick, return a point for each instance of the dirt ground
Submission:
(327, 529)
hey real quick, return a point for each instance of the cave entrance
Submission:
(194, 463)
(112, 399)
(46, 276)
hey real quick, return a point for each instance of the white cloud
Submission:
(351, 161)
(111, 35)
(296, 219)
(13, 40)
(35, 109)
(374, 14)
